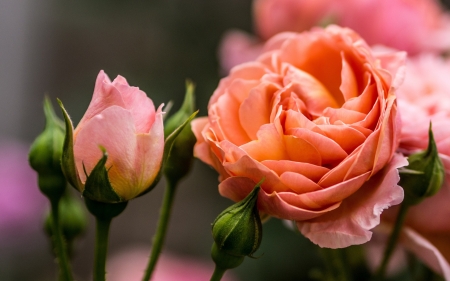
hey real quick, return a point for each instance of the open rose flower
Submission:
(122, 120)
(316, 116)
(423, 97)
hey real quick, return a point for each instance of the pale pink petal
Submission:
(140, 106)
(237, 47)
(426, 251)
(149, 154)
(102, 131)
(105, 95)
(351, 223)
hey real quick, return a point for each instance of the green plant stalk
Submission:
(65, 272)
(101, 248)
(335, 263)
(161, 229)
(390, 247)
(217, 274)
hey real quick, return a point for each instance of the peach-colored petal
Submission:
(347, 137)
(351, 222)
(228, 124)
(298, 183)
(349, 85)
(300, 150)
(256, 108)
(313, 172)
(236, 188)
(330, 152)
(268, 146)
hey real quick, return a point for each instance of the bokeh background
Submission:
(57, 48)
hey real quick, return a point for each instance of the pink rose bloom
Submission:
(122, 119)
(129, 266)
(21, 203)
(316, 116)
(424, 97)
(411, 25)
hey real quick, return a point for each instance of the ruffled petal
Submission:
(350, 224)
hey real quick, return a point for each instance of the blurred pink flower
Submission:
(411, 25)
(21, 204)
(423, 97)
(129, 265)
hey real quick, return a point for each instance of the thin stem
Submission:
(217, 274)
(65, 273)
(101, 247)
(161, 229)
(337, 269)
(390, 247)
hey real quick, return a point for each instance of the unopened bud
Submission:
(424, 175)
(45, 155)
(180, 158)
(237, 232)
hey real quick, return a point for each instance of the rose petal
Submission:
(350, 223)
(120, 147)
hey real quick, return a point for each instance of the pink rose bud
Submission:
(316, 116)
(115, 152)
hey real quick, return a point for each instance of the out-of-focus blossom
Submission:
(424, 97)
(316, 116)
(129, 265)
(411, 25)
(21, 203)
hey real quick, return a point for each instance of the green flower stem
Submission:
(163, 222)
(103, 213)
(392, 241)
(101, 247)
(335, 263)
(65, 273)
(217, 274)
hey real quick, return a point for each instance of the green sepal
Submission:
(424, 175)
(186, 109)
(105, 211)
(180, 159)
(68, 159)
(170, 140)
(97, 186)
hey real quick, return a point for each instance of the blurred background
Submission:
(58, 48)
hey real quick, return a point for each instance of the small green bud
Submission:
(237, 231)
(73, 218)
(45, 155)
(424, 175)
(180, 158)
